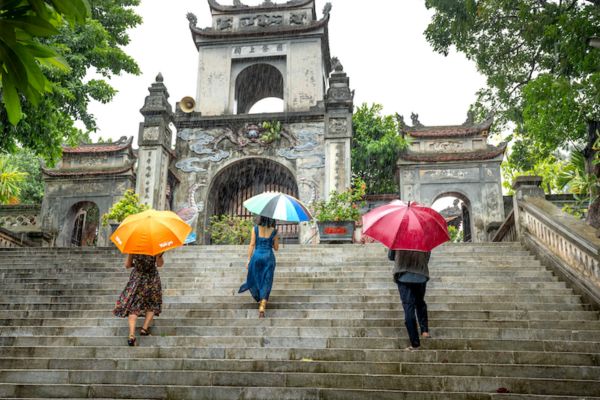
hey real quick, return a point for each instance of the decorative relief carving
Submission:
(14, 221)
(224, 24)
(306, 150)
(338, 125)
(444, 173)
(260, 20)
(151, 133)
(192, 164)
(297, 18)
(340, 93)
(409, 175)
(447, 147)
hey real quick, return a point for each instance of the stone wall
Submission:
(203, 154)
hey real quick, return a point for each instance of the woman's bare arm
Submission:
(160, 261)
(251, 246)
(276, 242)
(129, 261)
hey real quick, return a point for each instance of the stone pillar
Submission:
(530, 186)
(338, 130)
(154, 141)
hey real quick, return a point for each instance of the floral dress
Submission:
(143, 291)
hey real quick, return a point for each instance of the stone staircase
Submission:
(503, 327)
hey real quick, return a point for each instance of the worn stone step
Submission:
(312, 332)
(309, 342)
(581, 325)
(521, 315)
(321, 380)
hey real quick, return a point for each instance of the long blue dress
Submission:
(261, 267)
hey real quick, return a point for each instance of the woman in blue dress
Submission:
(261, 262)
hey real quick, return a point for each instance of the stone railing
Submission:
(20, 218)
(566, 244)
(507, 232)
(11, 239)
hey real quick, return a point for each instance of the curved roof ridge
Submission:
(264, 6)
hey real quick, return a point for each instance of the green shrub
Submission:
(128, 205)
(229, 229)
(343, 206)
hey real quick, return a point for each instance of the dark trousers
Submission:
(413, 301)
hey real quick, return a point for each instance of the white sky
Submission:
(379, 42)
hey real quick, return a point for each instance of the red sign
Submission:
(335, 230)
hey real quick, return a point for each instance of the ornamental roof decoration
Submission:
(268, 18)
(95, 159)
(489, 153)
(266, 5)
(94, 148)
(467, 129)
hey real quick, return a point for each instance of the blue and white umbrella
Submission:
(279, 206)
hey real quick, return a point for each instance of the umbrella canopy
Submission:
(279, 206)
(150, 232)
(406, 226)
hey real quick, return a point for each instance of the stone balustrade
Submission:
(20, 218)
(566, 244)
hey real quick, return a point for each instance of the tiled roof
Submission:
(212, 33)
(89, 172)
(488, 154)
(449, 131)
(99, 147)
(265, 6)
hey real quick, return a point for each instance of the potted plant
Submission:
(128, 205)
(337, 217)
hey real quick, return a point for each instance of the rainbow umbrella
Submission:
(279, 206)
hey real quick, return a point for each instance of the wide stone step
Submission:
(312, 332)
(177, 295)
(34, 391)
(582, 325)
(308, 342)
(303, 354)
(251, 313)
(305, 380)
(171, 303)
(307, 366)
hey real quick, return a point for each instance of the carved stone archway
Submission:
(454, 159)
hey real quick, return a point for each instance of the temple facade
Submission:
(454, 161)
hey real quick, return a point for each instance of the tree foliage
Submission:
(375, 148)
(92, 48)
(543, 79)
(32, 188)
(10, 182)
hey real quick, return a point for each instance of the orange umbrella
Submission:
(150, 232)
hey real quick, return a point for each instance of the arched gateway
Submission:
(223, 155)
(454, 161)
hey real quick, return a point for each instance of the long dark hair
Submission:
(266, 221)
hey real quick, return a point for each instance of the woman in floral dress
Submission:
(142, 295)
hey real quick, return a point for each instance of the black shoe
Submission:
(131, 341)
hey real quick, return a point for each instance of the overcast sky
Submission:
(379, 42)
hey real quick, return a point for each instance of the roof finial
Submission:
(326, 9)
(192, 18)
(159, 77)
(415, 120)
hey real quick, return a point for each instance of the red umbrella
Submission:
(406, 226)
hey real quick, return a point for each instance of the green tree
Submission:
(375, 148)
(32, 188)
(542, 77)
(22, 23)
(10, 181)
(92, 47)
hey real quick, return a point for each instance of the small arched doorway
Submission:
(456, 210)
(245, 178)
(255, 83)
(82, 224)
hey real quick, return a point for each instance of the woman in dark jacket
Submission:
(411, 273)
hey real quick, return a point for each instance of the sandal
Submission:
(411, 348)
(144, 332)
(131, 341)
(426, 335)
